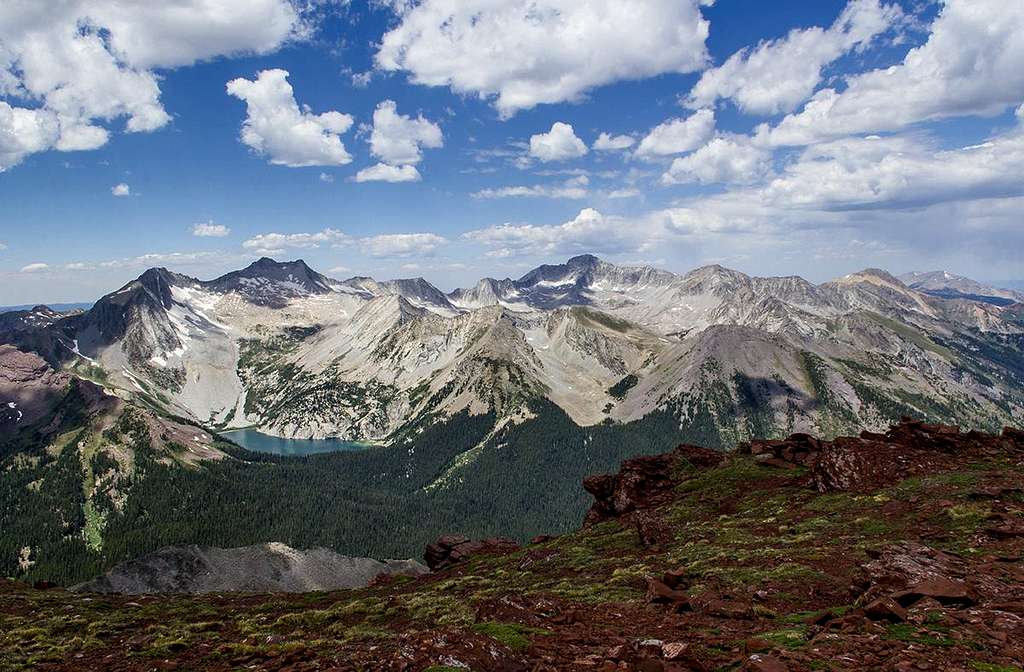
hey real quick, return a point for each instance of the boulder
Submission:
(452, 549)
(885, 609)
(643, 482)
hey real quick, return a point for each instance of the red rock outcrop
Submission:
(873, 460)
(643, 482)
(452, 549)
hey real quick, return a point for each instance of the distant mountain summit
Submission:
(948, 285)
(271, 283)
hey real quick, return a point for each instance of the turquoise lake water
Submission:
(252, 440)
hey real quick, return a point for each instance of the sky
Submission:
(457, 139)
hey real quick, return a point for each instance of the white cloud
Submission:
(339, 269)
(573, 188)
(676, 136)
(121, 190)
(522, 53)
(3, 245)
(589, 231)
(778, 75)
(276, 243)
(382, 172)
(164, 259)
(327, 178)
(970, 65)
(723, 159)
(558, 144)
(24, 132)
(610, 143)
(210, 230)
(85, 63)
(401, 244)
(628, 192)
(899, 172)
(897, 188)
(35, 268)
(276, 127)
(398, 139)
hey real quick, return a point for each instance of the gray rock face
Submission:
(272, 567)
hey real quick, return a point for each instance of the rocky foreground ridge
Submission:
(895, 551)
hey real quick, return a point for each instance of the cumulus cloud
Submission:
(398, 139)
(723, 159)
(588, 231)
(676, 136)
(276, 243)
(382, 172)
(401, 244)
(778, 75)
(276, 127)
(121, 189)
(558, 144)
(35, 268)
(902, 186)
(84, 63)
(23, 132)
(172, 259)
(610, 143)
(573, 188)
(522, 53)
(970, 65)
(899, 172)
(210, 230)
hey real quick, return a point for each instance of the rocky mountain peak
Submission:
(272, 283)
(419, 292)
(874, 275)
(584, 261)
(157, 282)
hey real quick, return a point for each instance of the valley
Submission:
(478, 411)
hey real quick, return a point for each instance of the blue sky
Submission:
(776, 138)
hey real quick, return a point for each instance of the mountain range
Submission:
(282, 348)
(950, 286)
(477, 400)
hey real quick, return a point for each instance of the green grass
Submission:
(992, 667)
(790, 638)
(913, 336)
(512, 635)
(905, 632)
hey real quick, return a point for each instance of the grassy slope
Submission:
(737, 529)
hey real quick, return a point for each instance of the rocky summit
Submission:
(898, 550)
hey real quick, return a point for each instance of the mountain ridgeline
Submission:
(487, 406)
